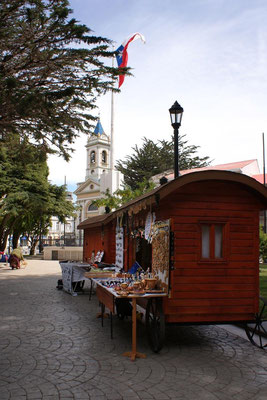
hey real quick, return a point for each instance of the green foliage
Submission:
(51, 72)
(263, 286)
(263, 244)
(122, 196)
(27, 198)
(153, 158)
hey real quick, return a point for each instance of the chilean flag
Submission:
(122, 55)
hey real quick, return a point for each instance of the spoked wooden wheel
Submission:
(257, 330)
(155, 324)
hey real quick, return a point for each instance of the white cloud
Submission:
(209, 55)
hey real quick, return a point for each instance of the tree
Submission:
(27, 198)
(263, 245)
(122, 196)
(152, 158)
(51, 72)
(38, 224)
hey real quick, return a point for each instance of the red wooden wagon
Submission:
(212, 266)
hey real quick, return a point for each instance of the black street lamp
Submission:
(176, 113)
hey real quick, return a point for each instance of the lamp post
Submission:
(176, 113)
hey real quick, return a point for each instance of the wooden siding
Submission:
(201, 290)
(100, 238)
(225, 290)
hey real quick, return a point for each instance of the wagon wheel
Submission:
(256, 331)
(155, 324)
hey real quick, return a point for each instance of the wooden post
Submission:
(134, 354)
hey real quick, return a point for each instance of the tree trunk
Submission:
(15, 239)
(6, 227)
(2, 244)
(3, 240)
(33, 245)
(4, 232)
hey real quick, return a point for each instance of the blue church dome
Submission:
(98, 129)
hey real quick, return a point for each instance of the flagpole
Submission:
(112, 126)
(64, 226)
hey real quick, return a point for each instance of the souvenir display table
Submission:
(73, 272)
(96, 274)
(107, 296)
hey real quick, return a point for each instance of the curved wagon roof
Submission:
(154, 196)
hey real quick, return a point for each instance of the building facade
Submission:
(62, 233)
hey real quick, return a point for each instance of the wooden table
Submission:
(107, 297)
(97, 275)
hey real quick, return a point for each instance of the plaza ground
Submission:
(52, 346)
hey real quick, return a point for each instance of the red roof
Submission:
(260, 178)
(224, 167)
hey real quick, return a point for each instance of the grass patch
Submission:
(263, 284)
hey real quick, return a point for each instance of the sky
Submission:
(209, 55)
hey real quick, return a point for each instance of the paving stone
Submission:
(54, 348)
(66, 394)
(34, 396)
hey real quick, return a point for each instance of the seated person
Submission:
(15, 258)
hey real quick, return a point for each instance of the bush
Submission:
(263, 245)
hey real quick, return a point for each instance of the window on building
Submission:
(213, 241)
(104, 157)
(92, 157)
(92, 207)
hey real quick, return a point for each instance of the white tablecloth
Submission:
(73, 272)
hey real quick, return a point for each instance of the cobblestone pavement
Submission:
(53, 347)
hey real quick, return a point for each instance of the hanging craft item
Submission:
(150, 219)
(137, 233)
(161, 252)
(119, 244)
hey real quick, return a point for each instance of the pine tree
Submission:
(51, 72)
(153, 158)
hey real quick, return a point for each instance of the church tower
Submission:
(97, 153)
(99, 174)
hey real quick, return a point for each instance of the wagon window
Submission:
(212, 241)
(205, 241)
(218, 240)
